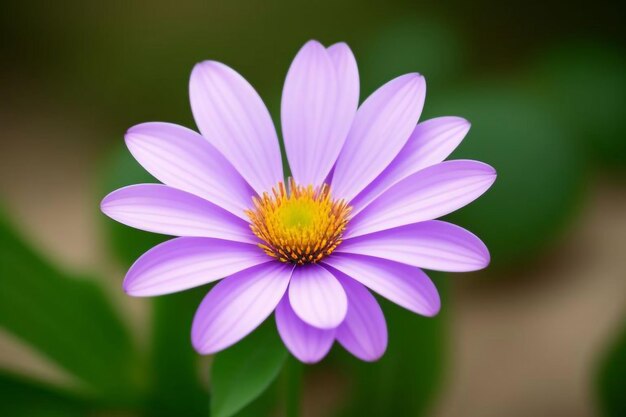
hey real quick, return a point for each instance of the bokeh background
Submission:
(542, 332)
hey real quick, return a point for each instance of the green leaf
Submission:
(293, 373)
(612, 379)
(541, 169)
(405, 381)
(175, 374)
(265, 405)
(22, 398)
(411, 44)
(585, 84)
(282, 397)
(241, 373)
(69, 320)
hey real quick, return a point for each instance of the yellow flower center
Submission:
(301, 225)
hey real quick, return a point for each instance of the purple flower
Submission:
(358, 214)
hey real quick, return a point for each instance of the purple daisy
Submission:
(357, 215)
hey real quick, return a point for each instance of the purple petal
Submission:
(307, 343)
(381, 127)
(183, 159)
(431, 142)
(348, 82)
(237, 305)
(161, 209)
(317, 297)
(232, 116)
(431, 244)
(313, 131)
(364, 331)
(405, 285)
(188, 262)
(430, 193)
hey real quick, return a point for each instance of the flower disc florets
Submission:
(299, 225)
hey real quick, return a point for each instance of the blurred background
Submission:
(542, 332)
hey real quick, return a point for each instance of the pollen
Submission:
(298, 224)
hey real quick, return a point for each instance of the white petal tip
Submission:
(481, 169)
(309, 361)
(432, 311)
(205, 67)
(131, 288)
(203, 344)
(105, 205)
(127, 288)
(202, 349)
(134, 133)
(340, 44)
(371, 358)
(456, 122)
(327, 324)
(313, 43)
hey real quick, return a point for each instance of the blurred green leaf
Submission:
(283, 397)
(408, 45)
(540, 168)
(175, 374)
(175, 386)
(243, 372)
(292, 376)
(281, 394)
(585, 84)
(612, 379)
(266, 404)
(22, 398)
(405, 381)
(69, 320)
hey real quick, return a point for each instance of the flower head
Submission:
(301, 225)
(357, 215)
